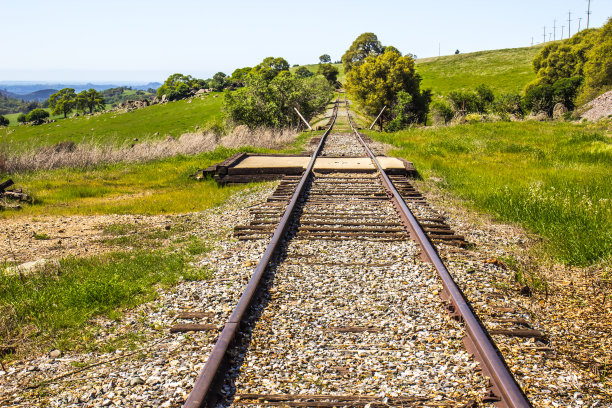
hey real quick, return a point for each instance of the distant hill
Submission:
(21, 89)
(38, 96)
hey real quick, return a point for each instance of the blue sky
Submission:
(134, 40)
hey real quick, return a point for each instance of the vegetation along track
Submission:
(343, 308)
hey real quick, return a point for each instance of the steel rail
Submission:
(504, 385)
(200, 394)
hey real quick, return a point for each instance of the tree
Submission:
(219, 82)
(177, 86)
(239, 75)
(270, 67)
(62, 102)
(365, 45)
(37, 116)
(379, 80)
(329, 72)
(270, 102)
(303, 72)
(21, 118)
(324, 59)
(90, 99)
(456, 52)
(4, 121)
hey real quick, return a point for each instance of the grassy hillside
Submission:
(553, 178)
(174, 119)
(507, 70)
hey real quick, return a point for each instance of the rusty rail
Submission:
(201, 396)
(505, 391)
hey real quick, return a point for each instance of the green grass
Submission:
(507, 70)
(174, 119)
(552, 178)
(58, 299)
(157, 187)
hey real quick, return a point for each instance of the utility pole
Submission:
(562, 27)
(588, 13)
(555, 30)
(544, 39)
(532, 41)
(579, 21)
(439, 49)
(569, 24)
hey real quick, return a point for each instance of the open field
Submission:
(173, 119)
(552, 178)
(507, 70)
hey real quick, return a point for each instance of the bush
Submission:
(598, 68)
(4, 121)
(22, 118)
(467, 101)
(463, 101)
(442, 112)
(265, 102)
(544, 97)
(508, 104)
(303, 72)
(37, 116)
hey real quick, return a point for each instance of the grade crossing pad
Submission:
(247, 167)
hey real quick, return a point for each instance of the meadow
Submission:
(552, 178)
(505, 71)
(118, 128)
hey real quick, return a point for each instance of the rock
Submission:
(559, 110)
(152, 380)
(164, 98)
(136, 381)
(55, 353)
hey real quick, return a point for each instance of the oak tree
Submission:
(365, 45)
(91, 100)
(62, 102)
(379, 80)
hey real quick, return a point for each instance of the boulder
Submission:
(164, 98)
(559, 110)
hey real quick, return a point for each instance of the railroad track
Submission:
(344, 307)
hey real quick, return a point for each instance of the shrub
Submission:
(508, 104)
(4, 121)
(269, 102)
(544, 97)
(598, 68)
(22, 118)
(303, 72)
(463, 101)
(442, 112)
(37, 116)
